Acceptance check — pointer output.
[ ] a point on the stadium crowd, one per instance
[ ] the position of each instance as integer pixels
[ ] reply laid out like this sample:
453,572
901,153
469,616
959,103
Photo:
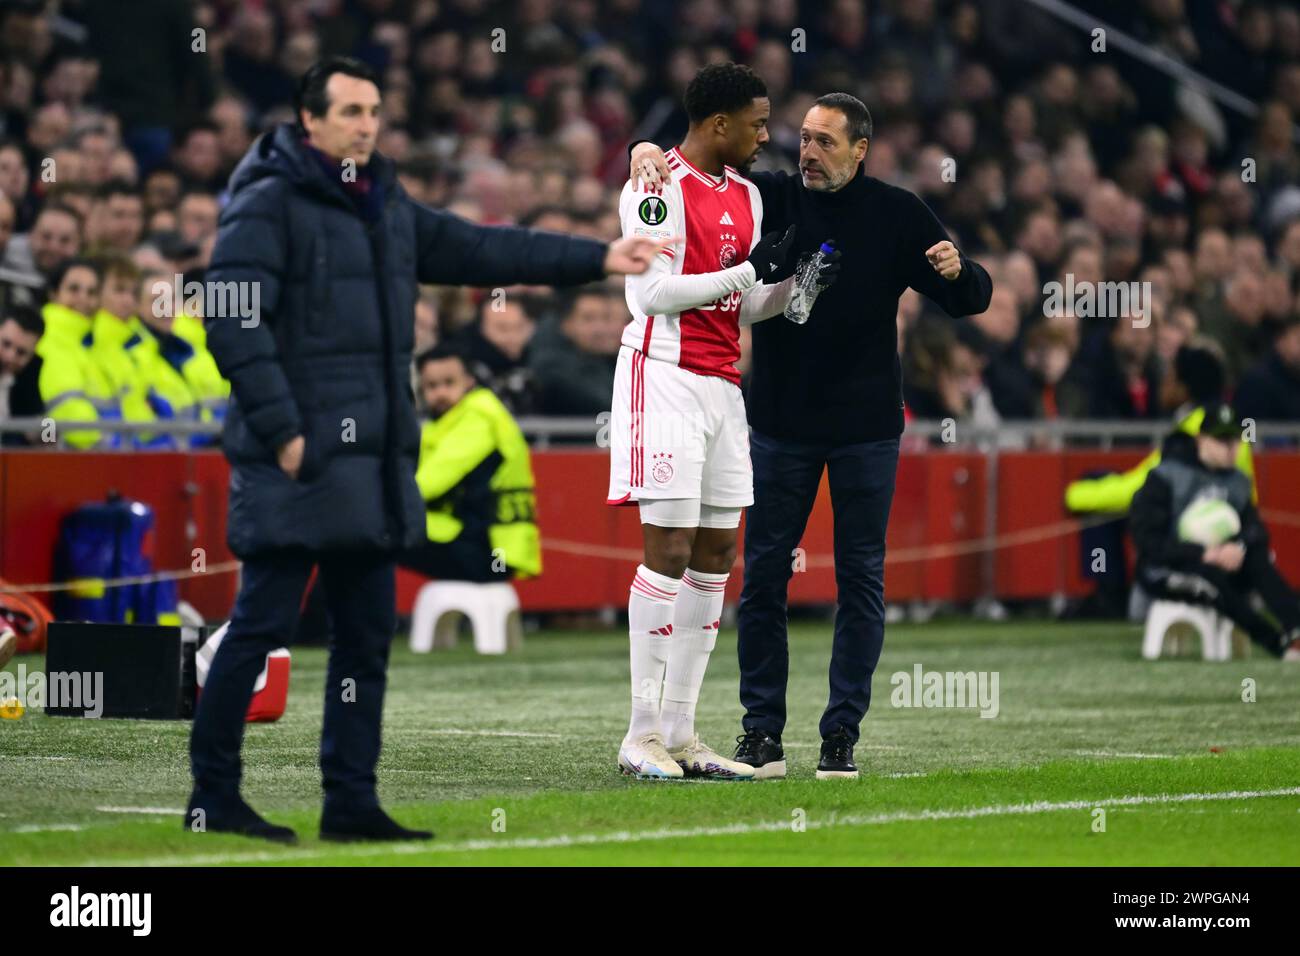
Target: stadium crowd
1044,155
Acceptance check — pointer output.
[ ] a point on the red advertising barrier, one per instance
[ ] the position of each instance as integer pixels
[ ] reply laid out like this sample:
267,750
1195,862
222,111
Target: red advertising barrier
939,535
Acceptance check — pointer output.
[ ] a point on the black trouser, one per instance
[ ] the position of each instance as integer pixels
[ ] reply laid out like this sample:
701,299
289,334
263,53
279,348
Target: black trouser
360,590
786,478
1229,594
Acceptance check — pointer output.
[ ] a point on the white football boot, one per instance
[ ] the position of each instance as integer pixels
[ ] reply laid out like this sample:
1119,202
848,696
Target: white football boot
646,759
699,760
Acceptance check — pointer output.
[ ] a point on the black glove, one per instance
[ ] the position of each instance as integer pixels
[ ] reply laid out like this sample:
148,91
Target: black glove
769,255
830,268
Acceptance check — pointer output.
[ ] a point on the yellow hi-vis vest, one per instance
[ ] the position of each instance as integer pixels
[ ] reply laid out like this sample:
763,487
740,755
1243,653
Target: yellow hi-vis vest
479,428
111,342
211,391
1114,493
72,385
170,395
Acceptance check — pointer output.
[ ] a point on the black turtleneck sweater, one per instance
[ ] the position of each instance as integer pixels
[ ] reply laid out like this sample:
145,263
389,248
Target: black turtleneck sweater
837,378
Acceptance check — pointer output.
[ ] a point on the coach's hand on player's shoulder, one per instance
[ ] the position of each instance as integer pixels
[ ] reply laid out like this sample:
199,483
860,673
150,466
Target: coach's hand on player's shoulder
649,168
633,256
289,457
769,253
945,259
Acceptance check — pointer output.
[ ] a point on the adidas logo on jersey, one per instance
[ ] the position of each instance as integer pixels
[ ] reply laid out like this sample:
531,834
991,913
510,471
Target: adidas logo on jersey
726,219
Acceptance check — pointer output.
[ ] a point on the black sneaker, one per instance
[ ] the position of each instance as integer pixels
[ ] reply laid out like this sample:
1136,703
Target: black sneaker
837,757
762,752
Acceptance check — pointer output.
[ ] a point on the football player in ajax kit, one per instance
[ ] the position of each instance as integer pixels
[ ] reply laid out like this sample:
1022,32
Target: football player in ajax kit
678,434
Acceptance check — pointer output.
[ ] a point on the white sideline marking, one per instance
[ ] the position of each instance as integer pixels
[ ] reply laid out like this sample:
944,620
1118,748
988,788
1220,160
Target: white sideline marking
49,827
456,732
153,811
1112,753
637,836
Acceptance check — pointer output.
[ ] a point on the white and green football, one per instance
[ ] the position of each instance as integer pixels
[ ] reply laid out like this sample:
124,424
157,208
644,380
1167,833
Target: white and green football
1208,521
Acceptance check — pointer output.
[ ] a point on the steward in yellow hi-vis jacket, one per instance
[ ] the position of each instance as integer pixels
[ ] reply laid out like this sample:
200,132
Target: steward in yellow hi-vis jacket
73,387
476,479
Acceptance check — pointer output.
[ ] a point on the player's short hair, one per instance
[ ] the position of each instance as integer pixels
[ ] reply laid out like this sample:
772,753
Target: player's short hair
310,94
439,353
28,319
856,114
722,88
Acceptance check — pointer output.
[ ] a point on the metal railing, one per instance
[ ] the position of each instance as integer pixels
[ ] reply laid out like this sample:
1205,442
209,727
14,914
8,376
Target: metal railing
543,431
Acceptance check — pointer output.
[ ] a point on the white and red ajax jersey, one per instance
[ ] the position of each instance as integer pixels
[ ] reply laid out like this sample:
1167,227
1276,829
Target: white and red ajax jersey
721,220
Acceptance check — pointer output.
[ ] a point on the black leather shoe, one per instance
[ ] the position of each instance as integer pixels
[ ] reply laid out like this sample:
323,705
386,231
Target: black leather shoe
372,823
207,814
837,757
763,752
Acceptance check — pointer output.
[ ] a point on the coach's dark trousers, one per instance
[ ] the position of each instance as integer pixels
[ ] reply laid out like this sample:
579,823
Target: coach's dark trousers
360,589
786,478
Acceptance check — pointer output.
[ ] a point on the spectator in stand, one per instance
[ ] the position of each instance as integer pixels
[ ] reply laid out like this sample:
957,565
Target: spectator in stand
73,387
55,237
116,221
494,349
1270,390
196,216
574,359
20,369
1115,375
112,340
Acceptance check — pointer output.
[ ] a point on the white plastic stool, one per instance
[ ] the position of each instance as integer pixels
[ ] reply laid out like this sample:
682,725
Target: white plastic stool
1214,629
492,609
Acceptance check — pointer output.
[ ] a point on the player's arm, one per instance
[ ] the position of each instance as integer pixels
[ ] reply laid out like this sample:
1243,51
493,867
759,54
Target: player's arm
658,291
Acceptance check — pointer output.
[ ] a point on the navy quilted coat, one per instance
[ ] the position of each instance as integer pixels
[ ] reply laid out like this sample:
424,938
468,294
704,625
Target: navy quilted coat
329,354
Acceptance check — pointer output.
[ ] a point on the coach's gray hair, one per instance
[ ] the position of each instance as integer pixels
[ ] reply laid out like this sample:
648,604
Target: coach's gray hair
854,110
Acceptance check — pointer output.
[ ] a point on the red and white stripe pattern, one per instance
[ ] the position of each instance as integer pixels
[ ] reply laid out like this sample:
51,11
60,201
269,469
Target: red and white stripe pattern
704,587
652,591
636,462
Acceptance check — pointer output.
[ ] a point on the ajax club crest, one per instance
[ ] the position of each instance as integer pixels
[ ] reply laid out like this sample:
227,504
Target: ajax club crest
662,472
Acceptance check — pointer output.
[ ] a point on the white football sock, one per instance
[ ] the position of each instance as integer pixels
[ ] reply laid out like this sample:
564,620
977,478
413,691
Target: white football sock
695,631
650,626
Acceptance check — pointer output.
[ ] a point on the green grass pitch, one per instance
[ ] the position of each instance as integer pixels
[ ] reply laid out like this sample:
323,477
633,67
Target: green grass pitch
512,761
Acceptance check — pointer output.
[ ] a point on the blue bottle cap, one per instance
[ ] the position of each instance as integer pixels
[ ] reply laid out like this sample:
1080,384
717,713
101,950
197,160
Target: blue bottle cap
827,248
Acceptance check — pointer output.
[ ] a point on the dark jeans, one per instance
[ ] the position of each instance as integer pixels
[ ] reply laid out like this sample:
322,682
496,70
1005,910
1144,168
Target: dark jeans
1229,594
360,590
786,477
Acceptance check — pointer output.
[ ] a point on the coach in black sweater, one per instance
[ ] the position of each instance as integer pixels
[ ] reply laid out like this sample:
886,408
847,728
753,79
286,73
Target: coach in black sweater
828,394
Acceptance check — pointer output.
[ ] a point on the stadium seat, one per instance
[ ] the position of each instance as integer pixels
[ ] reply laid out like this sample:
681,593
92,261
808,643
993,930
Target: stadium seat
492,609
1214,629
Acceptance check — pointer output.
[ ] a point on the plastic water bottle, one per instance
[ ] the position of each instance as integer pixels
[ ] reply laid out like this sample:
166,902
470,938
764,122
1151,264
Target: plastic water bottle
805,285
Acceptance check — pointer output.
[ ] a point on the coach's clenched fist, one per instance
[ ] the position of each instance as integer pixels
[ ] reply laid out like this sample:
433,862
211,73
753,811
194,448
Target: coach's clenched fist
945,258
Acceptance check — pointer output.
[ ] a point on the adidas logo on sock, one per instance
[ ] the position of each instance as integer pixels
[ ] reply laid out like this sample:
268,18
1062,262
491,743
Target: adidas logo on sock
665,631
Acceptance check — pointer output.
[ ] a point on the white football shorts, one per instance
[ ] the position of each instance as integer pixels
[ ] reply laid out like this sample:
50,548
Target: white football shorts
677,434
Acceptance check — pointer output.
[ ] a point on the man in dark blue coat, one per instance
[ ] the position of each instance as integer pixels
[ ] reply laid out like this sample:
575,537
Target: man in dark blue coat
310,315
